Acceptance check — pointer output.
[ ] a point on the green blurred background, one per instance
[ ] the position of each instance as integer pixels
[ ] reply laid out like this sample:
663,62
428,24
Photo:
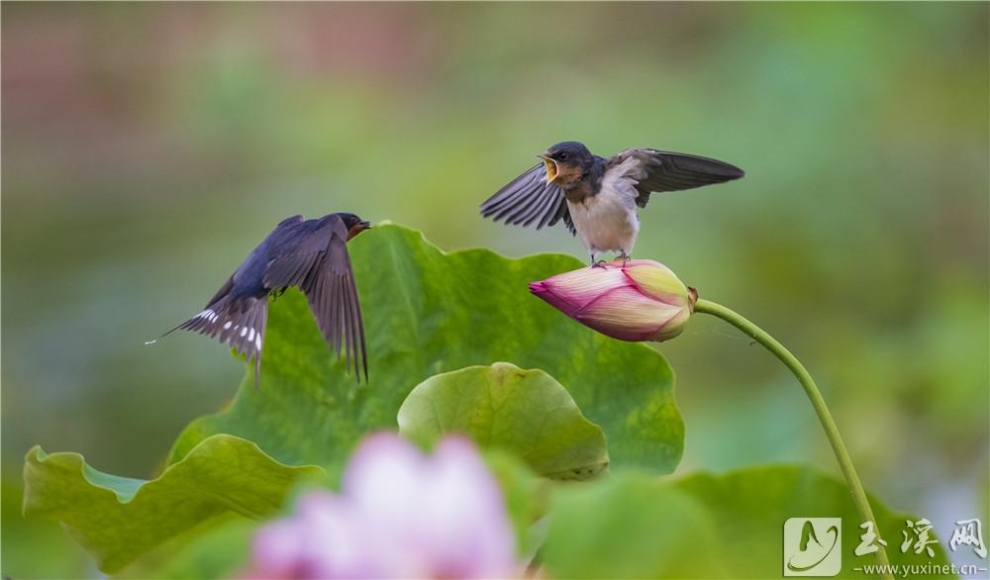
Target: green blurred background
148,148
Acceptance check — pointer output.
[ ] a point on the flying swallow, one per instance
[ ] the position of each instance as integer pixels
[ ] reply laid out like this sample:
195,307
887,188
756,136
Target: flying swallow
309,254
597,197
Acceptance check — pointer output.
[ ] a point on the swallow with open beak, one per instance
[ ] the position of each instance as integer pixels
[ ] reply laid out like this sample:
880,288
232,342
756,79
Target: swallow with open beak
309,254
597,197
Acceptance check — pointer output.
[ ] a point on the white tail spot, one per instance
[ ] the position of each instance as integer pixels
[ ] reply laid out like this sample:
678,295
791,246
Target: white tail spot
257,341
244,332
208,314
226,326
250,334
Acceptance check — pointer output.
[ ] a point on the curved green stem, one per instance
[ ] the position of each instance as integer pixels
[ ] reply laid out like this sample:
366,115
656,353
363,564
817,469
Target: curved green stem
831,431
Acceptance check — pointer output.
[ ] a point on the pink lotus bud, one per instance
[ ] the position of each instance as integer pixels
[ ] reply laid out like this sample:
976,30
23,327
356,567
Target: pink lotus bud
641,300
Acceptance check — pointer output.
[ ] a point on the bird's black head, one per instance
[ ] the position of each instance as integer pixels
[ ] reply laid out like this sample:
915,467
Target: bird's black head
567,162
355,225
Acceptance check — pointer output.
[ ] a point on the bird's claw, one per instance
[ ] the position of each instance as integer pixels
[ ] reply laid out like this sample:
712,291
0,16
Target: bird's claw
598,264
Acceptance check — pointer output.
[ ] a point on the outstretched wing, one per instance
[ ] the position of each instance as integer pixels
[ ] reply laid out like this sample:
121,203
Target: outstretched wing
528,200
658,171
320,265
295,247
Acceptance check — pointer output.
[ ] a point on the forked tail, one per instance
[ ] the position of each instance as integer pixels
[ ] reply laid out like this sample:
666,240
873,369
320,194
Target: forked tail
239,323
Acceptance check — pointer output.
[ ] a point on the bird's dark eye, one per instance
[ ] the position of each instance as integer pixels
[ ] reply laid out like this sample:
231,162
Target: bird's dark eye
562,155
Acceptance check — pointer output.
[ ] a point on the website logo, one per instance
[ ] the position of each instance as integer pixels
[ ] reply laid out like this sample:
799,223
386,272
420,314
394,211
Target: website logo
812,547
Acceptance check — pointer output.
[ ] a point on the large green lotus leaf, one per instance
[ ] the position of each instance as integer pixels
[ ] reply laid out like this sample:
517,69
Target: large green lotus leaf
628,526
525,412
705,526
428,312
118,519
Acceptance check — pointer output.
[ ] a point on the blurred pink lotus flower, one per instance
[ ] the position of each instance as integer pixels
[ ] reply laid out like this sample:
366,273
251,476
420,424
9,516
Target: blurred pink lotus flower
636,301
400,514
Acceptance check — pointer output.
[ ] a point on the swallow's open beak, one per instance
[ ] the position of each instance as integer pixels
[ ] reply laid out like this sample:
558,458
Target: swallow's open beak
551,168
357,229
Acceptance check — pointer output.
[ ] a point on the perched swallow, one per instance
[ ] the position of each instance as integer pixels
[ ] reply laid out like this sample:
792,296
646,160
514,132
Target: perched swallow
596,197
309,254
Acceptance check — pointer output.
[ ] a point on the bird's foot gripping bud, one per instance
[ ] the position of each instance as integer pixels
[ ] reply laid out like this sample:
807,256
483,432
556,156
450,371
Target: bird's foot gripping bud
634,300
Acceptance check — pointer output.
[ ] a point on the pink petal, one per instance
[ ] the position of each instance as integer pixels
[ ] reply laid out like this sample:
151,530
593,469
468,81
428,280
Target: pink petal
334,539
470,534
627,314
573,290
277,549
384,472
384,482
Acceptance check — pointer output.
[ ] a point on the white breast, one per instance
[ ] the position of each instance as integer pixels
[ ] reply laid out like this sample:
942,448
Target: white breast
607,222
